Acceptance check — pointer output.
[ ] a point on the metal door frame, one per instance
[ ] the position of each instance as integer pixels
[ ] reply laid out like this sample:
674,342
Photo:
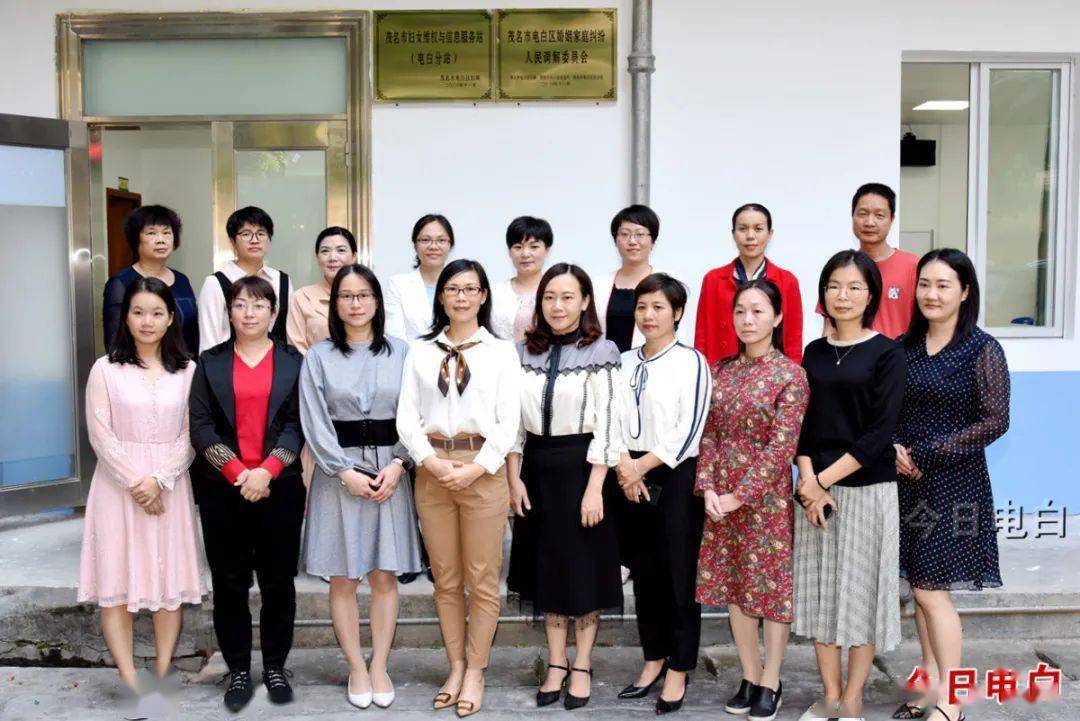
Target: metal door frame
71,137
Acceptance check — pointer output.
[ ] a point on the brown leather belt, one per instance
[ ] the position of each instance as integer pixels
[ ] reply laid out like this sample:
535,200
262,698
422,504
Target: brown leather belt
461,442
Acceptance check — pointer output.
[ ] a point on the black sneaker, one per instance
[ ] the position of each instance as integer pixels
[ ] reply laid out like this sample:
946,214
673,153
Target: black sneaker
739,704
277,684
408,577
766,703
240,690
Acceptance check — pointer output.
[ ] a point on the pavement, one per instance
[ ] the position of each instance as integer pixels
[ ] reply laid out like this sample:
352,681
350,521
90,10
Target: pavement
82,694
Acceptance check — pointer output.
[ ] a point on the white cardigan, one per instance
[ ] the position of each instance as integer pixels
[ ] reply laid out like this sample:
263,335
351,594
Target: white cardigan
602,290
408,307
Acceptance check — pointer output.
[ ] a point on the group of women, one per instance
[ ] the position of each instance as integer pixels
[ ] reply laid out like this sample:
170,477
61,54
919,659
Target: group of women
430,410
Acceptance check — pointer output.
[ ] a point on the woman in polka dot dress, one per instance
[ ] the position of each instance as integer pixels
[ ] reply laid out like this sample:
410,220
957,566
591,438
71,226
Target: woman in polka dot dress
956,403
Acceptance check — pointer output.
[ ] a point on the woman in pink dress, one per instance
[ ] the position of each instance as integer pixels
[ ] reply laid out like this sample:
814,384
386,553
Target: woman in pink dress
139,541
744,473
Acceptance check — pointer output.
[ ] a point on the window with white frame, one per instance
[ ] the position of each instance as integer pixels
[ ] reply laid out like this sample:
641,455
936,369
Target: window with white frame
984,167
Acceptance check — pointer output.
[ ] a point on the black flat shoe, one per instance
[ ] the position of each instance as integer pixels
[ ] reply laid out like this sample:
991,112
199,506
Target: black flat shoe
571,701
908,711
766,703
739,704
546,698
275,678
633,691
240,690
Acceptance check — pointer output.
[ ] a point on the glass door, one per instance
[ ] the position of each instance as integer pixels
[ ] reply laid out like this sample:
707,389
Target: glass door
296,171
47,323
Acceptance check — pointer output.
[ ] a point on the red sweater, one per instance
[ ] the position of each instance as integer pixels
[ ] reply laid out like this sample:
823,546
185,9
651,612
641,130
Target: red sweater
715,330
251,388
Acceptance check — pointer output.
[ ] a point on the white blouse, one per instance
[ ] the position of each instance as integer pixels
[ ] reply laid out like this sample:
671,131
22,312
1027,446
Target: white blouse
663,401
214,326
507,307
568,390
408,306
490,405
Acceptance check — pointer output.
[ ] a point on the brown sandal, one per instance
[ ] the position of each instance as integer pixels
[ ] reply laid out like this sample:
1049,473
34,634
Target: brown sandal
466,708
443,699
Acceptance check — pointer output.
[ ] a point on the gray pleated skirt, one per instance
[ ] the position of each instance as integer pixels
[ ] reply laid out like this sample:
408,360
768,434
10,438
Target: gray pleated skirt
847,577
349,536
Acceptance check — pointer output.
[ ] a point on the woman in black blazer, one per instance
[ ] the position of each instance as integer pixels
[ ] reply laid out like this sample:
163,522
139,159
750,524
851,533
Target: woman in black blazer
245,427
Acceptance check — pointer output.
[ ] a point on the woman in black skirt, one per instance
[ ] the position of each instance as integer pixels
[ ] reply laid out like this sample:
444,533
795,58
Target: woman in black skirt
564,558
663,395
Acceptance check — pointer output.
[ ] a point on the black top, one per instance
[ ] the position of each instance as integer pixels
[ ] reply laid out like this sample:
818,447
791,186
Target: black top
182,292
856,392
620,318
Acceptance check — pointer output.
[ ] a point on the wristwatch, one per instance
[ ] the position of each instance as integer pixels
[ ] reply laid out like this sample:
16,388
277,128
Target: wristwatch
407,465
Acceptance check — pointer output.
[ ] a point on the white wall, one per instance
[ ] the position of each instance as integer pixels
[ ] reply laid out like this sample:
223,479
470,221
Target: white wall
794,105
784,102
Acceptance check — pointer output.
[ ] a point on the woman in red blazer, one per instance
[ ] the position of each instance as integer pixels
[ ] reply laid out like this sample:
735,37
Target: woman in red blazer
751,227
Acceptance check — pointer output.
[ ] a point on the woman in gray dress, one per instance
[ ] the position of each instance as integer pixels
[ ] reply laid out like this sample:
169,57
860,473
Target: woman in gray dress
360,518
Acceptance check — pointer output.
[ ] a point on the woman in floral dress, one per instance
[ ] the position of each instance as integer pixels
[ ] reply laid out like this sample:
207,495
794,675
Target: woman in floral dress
744,474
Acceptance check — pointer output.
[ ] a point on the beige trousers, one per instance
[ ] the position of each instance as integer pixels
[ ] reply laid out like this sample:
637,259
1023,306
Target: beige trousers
463,532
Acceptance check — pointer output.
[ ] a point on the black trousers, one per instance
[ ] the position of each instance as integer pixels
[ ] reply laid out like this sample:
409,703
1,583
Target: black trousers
263,539
663,543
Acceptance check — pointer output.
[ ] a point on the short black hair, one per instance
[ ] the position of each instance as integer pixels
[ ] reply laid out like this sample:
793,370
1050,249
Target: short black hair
875,189
338,335
439,317
336,230
256,287
524,227
174,354
871,276
638,215
673,290
752,206
145,216
252,215
424,220
968,316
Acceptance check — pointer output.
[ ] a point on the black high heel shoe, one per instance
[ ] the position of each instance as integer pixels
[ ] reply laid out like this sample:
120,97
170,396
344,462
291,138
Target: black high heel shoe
633,691
546,698
571,701
663,707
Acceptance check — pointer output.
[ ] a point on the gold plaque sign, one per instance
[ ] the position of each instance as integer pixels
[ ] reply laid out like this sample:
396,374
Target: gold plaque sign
439,55
557,54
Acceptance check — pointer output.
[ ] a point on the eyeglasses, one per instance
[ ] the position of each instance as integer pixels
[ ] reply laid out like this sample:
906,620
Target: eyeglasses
469,291
246,235
639,235
364,296
853,289
259,307
432,241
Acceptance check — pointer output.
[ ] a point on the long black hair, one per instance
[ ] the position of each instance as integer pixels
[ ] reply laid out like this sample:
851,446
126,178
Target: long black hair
174,354
336,230
871,276
438,313
968,316
772,292
378,321
538,338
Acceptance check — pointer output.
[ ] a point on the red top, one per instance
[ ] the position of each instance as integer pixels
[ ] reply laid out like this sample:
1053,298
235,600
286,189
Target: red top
715,331
251,388
899,276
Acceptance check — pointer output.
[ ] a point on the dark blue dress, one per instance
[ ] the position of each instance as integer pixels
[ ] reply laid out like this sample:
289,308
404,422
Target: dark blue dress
956,403
183,294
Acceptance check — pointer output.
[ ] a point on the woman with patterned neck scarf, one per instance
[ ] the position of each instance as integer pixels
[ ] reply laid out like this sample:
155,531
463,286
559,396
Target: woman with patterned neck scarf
458,416
557,469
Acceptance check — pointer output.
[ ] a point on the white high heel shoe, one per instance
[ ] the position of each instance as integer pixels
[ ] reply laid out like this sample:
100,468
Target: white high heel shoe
359,700
383,700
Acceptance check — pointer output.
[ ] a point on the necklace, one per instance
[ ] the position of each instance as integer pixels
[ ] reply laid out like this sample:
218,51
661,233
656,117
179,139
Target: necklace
842,357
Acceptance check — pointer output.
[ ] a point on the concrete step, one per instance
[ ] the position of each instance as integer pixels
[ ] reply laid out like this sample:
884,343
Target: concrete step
40,622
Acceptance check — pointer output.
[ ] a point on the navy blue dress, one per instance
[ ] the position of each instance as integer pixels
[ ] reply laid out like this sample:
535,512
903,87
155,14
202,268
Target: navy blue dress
183,294
956,403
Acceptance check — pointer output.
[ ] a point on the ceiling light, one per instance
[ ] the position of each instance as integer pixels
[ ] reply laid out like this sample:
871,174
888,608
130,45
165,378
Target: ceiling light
943,105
